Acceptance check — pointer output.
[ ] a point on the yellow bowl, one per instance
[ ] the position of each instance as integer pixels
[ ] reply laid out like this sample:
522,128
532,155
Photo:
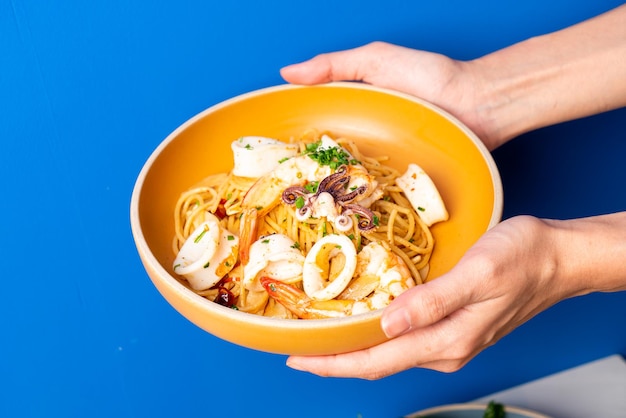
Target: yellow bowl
382,122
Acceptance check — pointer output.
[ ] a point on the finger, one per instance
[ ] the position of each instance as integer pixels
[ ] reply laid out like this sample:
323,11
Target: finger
443,347
314,71
425,305
349,65
323,68
371,364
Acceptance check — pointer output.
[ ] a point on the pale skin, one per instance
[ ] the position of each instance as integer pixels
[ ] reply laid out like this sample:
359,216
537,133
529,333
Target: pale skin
524,265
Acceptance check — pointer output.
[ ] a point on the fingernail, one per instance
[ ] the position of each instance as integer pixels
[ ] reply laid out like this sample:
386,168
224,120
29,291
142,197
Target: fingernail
395,322
294,365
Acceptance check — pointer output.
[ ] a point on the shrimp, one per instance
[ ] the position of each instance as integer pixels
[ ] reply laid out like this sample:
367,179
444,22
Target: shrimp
302,306
380,277
274,255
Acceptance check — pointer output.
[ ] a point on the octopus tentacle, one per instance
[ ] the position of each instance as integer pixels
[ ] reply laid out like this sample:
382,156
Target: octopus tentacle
364,215
291,194
335,185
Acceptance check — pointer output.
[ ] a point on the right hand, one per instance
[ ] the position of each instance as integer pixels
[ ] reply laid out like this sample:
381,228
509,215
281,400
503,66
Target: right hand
505,279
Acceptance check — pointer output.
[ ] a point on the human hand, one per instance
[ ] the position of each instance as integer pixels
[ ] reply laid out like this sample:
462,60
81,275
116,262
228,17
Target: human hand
523,265
503,94
452,85
505,279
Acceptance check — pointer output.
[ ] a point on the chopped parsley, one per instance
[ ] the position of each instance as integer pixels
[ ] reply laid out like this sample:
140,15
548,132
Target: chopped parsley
421,209
334,157
312,147
282,160
207,264
231,238
200,235
296,245
376,220
248,146
311,187
300,202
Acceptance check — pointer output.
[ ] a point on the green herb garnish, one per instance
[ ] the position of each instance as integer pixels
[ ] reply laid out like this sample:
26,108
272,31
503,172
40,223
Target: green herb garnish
312,147
200,235
334,157
311,187
300,202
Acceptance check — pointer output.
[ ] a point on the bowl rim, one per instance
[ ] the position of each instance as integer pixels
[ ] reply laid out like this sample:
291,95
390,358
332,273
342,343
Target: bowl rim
191,297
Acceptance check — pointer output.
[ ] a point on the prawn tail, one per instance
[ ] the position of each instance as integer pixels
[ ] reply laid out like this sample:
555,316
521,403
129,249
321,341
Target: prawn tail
301,305
248,226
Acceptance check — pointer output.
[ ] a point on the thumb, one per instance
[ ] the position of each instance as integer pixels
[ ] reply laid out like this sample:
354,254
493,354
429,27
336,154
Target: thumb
348,65
424,305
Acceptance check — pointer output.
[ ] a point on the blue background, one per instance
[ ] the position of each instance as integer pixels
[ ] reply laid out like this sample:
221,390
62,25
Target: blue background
89,89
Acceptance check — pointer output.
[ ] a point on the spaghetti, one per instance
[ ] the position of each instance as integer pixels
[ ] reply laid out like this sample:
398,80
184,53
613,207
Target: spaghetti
403,237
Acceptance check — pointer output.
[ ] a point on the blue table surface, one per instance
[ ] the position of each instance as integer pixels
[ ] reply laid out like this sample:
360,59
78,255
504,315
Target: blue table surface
89,89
